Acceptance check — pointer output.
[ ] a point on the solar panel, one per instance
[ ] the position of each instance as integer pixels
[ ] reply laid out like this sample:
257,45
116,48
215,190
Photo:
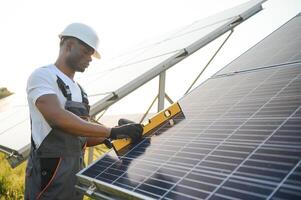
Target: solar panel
238,137
281,47
14,129
144,63
140,66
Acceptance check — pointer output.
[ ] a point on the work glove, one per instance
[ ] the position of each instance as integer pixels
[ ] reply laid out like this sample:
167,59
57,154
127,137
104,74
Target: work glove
123,121
132,130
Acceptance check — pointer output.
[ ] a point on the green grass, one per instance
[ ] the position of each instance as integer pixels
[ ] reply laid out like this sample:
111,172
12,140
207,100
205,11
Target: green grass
11,180
4,92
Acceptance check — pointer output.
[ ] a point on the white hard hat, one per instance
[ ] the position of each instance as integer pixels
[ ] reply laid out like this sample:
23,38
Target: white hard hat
84,33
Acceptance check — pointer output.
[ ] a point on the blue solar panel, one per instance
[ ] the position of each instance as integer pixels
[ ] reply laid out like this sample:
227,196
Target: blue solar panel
281,47
238,137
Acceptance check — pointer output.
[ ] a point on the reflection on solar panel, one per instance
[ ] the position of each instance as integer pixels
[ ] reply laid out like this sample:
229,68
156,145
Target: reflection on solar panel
140,66
238,137
14,129
147,62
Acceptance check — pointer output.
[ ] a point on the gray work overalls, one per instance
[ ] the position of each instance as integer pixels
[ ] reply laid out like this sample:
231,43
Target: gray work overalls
51,169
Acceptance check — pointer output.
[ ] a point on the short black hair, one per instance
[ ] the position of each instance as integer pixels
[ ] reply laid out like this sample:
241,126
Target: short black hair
65,38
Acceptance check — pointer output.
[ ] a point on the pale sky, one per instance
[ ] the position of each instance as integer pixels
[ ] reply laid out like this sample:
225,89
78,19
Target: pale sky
29,32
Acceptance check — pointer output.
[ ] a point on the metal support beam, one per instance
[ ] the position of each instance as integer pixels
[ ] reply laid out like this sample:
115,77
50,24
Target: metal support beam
153,102
146,113
181,54
161,94
209,61
169,99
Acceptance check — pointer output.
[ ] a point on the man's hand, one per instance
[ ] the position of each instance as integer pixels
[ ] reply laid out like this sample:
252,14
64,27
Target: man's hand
133,131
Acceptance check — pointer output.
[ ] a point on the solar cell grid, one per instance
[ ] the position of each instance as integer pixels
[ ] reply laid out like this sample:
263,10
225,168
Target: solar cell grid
282,46
240,137
245,149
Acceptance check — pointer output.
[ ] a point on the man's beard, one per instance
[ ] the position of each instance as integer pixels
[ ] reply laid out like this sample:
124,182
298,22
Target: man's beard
73,63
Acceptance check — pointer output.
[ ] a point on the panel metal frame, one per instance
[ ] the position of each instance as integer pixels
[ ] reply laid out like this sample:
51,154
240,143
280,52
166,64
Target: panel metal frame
182,54
14,157
96,188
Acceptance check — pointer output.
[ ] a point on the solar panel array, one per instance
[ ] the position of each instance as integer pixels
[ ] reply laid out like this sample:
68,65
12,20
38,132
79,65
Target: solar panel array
239,137
140,66
162,51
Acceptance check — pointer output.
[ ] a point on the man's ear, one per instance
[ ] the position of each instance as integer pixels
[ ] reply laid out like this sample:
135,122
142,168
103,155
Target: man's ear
69,45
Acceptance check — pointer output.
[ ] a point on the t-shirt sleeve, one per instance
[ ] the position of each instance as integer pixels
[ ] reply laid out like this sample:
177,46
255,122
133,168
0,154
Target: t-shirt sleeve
40,82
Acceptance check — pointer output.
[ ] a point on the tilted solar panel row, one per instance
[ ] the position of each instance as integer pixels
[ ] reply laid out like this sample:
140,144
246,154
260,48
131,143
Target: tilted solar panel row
238,136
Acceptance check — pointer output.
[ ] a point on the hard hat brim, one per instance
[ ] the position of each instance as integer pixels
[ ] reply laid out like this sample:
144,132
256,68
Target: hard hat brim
96,54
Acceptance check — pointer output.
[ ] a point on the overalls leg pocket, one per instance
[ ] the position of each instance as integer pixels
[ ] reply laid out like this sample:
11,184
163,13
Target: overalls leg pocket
47,173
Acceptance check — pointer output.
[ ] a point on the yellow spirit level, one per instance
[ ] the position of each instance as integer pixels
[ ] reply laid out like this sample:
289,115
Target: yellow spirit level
152,123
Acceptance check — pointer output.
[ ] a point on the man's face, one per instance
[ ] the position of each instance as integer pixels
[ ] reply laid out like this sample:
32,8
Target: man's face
80,56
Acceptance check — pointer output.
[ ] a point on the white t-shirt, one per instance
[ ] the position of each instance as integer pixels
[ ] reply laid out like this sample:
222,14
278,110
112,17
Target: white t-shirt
41,82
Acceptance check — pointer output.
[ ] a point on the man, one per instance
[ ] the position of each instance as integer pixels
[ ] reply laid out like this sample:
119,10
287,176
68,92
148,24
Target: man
59,111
